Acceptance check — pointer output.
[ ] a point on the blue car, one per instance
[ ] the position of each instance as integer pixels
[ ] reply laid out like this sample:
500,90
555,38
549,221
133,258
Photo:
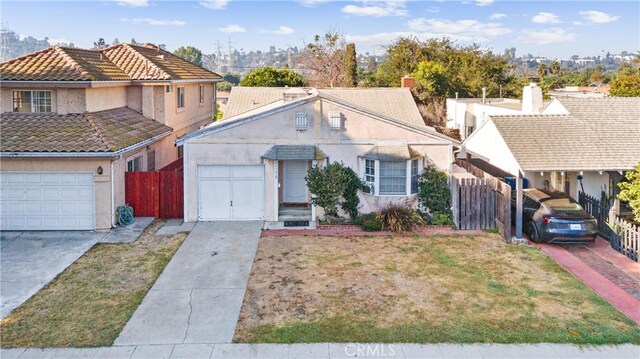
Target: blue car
554,217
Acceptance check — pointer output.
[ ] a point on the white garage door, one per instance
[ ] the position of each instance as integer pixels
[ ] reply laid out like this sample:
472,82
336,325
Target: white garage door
230,192
47,201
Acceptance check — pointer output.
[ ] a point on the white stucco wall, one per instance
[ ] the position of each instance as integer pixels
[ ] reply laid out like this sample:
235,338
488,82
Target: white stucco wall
105,98
488,144
245,145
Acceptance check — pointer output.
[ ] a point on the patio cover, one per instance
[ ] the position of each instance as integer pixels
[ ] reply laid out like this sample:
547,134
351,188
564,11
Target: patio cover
294,152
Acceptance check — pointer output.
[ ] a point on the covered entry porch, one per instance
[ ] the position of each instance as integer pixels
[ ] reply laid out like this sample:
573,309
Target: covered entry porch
292,203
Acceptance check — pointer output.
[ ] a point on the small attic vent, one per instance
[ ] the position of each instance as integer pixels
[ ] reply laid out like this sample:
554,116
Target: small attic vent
161,57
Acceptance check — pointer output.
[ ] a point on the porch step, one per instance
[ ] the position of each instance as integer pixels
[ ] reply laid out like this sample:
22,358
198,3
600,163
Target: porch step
294,214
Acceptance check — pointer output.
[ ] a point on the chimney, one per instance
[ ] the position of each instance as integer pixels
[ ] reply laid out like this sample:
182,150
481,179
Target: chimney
407,82
532,99
484,95
294,93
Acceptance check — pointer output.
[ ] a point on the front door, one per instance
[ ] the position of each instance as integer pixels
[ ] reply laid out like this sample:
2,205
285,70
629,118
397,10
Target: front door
295,187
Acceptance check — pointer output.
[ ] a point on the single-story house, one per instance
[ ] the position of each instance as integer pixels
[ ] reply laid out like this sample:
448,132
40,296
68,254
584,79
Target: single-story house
252,164
575,144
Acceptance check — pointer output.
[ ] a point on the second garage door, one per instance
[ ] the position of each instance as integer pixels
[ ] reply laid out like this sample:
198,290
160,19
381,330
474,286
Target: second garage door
230,192
46,201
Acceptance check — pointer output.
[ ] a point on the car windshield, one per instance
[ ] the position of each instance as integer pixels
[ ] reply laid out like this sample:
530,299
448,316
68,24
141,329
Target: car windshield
563,204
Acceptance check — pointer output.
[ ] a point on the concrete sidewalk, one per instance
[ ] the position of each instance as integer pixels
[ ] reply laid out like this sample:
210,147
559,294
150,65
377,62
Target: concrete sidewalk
335,350
198,296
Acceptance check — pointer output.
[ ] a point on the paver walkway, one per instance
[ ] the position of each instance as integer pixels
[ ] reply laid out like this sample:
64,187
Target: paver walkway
610,274
198,296
335,350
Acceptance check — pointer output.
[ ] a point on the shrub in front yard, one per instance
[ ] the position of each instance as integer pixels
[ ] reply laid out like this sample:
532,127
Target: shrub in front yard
434,196
327,185
350,200
399,218
371,223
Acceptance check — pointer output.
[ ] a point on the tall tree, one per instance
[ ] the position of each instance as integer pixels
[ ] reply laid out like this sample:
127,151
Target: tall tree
133,41
630,191
323,60
100,44
350,66
554,67
626,83
115,41
190,54
232,78
272,77
542,71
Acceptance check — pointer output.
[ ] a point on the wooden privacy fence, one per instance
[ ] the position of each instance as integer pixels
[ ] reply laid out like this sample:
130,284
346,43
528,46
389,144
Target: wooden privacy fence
156,194
599,210
481,203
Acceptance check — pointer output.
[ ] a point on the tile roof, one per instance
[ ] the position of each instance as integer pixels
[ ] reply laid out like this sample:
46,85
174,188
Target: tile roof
121,62
392,153
294,152
103,131
597,134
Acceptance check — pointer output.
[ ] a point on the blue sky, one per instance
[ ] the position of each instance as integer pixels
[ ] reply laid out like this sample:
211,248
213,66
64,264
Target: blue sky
555,29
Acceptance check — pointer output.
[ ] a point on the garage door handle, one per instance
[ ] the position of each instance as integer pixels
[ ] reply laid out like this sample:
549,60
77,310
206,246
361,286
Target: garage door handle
231,203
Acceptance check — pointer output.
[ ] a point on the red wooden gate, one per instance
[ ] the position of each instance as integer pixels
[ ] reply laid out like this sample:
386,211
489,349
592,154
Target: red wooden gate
156,194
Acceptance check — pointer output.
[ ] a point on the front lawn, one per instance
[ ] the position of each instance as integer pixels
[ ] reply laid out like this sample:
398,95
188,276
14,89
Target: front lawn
431,289
90,302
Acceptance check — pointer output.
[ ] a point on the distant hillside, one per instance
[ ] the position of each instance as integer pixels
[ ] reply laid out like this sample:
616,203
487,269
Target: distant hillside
11,46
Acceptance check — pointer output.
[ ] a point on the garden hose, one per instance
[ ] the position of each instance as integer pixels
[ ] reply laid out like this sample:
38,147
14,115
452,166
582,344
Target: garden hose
124,214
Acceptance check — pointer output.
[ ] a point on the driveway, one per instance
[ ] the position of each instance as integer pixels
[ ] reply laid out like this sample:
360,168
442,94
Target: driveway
198,296
29,260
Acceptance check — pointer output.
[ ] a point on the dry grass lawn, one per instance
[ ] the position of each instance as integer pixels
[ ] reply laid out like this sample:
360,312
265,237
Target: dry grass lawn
419,289
90,302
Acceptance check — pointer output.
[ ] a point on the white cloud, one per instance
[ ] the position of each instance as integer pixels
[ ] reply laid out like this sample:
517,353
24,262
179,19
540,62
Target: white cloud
484,2
377,9
461,29
311,3
232,28
577,23
153,22
433,10
546,18
598,17
283,30
133,3
547,36
497,16
214,4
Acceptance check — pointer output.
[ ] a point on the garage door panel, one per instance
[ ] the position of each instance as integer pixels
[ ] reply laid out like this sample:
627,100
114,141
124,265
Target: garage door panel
248,199
230,192
47,201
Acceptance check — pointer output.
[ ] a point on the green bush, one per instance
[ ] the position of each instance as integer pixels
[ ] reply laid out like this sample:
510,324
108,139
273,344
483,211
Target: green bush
327,185
371,223
399,218
434,195
353,184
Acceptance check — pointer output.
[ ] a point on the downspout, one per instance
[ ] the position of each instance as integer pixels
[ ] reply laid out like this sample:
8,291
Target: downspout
185,177
113,201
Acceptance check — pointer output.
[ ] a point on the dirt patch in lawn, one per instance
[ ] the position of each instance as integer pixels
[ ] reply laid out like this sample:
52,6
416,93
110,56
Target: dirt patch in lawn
419,289
90,302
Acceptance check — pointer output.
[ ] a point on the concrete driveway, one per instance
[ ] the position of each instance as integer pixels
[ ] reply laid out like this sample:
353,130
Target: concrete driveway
198,296
29,260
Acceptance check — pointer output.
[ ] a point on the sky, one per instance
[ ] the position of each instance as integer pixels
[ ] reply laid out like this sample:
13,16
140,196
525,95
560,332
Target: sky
553,29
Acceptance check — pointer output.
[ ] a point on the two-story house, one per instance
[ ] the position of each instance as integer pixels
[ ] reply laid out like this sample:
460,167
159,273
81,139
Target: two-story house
74,120
252,164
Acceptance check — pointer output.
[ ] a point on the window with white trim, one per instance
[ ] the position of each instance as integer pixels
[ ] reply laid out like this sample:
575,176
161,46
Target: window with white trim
201,89
134,164
370,174
32,101
335,121
414,176
168,89
302,123
393,177
180,97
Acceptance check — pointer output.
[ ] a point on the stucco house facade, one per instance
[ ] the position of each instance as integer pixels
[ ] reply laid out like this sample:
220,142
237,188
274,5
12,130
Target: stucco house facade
74,120
252,163
575,144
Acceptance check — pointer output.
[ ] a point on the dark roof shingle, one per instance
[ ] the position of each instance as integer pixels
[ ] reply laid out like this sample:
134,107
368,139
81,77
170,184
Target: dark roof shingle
103,131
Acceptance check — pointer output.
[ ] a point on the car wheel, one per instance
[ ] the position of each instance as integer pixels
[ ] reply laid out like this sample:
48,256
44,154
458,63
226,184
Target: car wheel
533,233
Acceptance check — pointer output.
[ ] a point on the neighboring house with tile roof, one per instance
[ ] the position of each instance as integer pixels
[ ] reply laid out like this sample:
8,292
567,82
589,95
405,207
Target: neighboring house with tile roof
596,139
74,120
252,163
